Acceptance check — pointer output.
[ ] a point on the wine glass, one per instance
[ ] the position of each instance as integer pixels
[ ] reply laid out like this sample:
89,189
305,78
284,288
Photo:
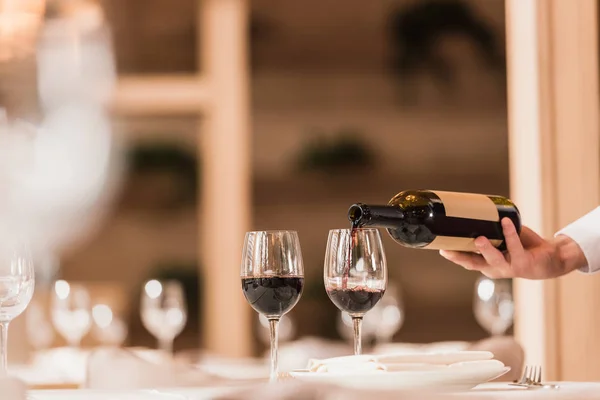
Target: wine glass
355,273
272,276
71,312
164,311
16,290
493,304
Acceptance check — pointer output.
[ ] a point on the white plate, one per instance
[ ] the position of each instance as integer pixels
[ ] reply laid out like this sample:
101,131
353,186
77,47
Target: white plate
451,378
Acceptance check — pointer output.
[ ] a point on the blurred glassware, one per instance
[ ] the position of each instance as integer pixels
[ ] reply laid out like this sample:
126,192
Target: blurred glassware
71,311
381,323
493,304
17,284
108,328
388,316
287,329
164,311
58,167
40,332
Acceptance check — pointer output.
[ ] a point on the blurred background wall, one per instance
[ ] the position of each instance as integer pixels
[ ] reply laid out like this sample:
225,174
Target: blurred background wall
334,121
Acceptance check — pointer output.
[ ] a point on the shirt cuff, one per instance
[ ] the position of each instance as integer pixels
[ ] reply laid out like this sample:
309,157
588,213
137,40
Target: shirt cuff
586,233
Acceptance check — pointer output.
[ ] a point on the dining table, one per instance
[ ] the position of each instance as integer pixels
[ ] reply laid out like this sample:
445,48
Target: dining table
566,390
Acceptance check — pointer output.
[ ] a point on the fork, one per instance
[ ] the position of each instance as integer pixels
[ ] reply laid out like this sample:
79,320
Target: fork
532,378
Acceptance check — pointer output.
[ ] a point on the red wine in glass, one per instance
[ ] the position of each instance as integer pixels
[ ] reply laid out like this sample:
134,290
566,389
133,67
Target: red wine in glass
272,296
356,300
272,280
355,273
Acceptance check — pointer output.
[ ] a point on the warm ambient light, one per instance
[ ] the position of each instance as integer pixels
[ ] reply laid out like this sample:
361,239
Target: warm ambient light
102,315
62,289
485,289
19,23
153,289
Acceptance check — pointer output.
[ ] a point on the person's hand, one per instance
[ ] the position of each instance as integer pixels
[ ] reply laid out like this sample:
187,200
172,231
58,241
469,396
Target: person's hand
528,255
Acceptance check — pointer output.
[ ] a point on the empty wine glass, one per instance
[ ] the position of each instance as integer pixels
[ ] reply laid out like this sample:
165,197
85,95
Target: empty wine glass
493,304
16,290
71,311
272,278
164,311
108,328
355,273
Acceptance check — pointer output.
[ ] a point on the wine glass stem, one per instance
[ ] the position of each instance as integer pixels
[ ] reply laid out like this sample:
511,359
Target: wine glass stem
166,345
3,348
75,343
274,330
357,323
496,332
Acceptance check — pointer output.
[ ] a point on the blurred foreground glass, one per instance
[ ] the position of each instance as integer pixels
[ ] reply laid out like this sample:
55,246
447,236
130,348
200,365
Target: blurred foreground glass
164,311
57,168
272,279
493,304
16,290
355,274
71,311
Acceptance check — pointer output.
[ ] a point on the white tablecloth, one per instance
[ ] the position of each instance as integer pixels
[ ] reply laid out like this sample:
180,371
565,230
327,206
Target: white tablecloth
568,390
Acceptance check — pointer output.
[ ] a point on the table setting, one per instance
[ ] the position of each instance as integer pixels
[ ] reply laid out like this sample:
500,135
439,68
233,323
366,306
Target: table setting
272,267
49,202
272,281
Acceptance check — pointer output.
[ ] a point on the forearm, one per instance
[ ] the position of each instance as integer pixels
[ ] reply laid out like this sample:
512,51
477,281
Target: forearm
578,244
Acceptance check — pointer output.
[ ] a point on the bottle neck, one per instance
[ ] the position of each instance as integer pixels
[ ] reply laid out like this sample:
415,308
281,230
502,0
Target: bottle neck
363,215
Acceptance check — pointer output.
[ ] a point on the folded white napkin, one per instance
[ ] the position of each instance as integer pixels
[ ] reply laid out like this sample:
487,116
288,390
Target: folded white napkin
346,364
405,362
507,350
296,354
435,347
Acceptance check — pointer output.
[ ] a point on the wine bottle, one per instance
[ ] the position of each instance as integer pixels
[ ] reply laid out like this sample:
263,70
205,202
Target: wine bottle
439,220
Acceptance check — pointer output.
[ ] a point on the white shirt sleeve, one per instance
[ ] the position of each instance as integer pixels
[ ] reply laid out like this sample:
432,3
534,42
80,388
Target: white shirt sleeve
586,233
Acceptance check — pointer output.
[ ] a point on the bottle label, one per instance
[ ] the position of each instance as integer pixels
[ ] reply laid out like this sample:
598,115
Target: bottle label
456,244
468,205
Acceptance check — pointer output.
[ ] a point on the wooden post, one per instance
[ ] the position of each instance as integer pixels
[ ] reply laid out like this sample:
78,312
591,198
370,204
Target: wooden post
575,37
225,148
555,170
